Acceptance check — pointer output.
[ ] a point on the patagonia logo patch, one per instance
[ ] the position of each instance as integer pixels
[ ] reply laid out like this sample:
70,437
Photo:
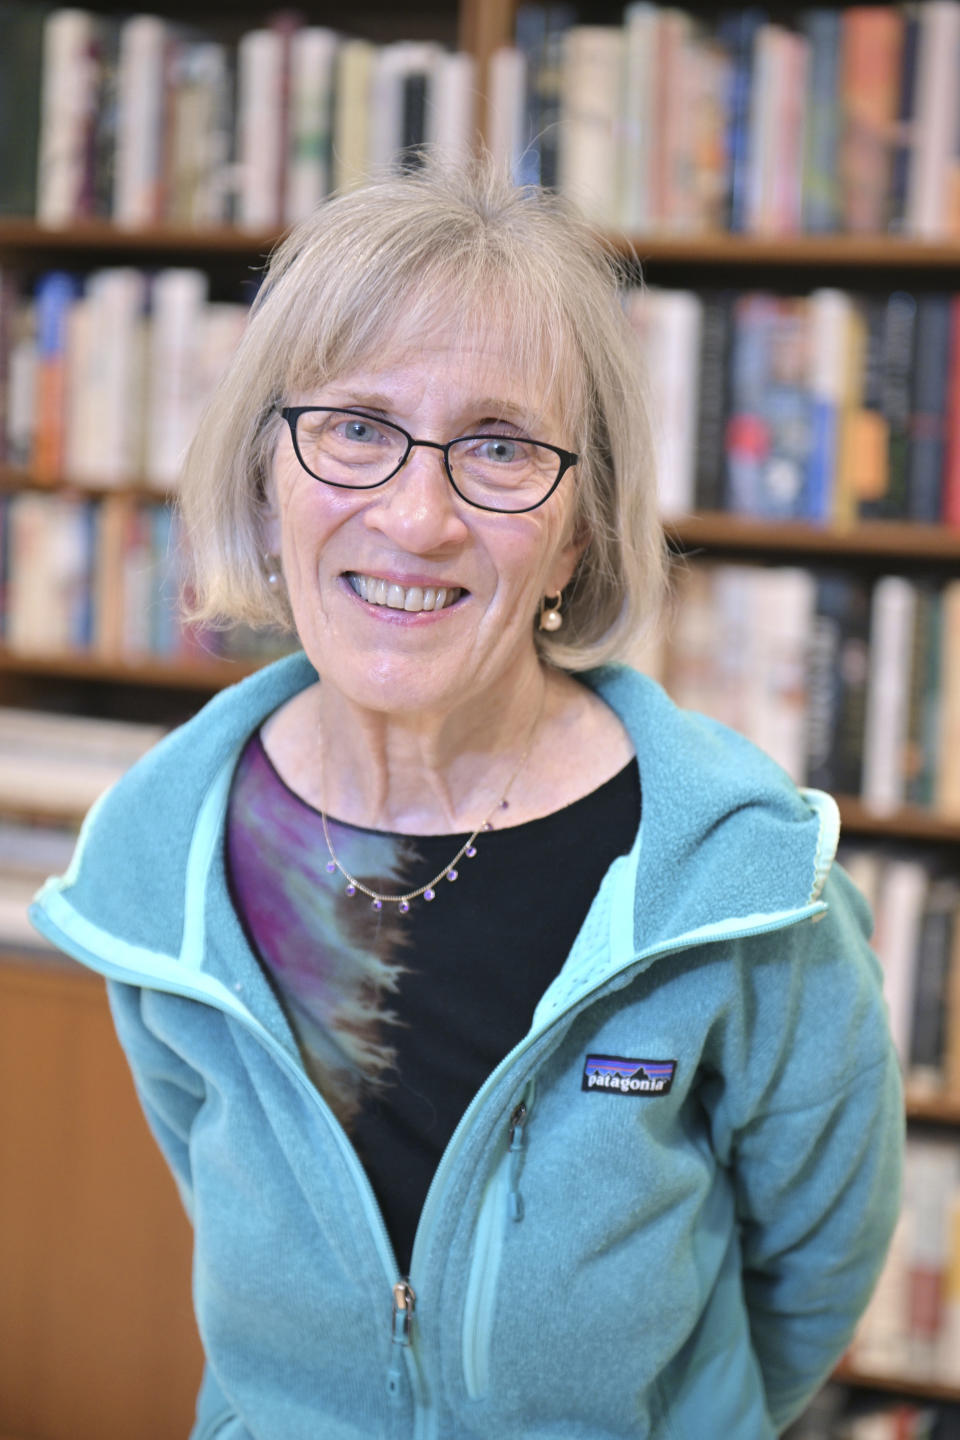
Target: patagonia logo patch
621,1076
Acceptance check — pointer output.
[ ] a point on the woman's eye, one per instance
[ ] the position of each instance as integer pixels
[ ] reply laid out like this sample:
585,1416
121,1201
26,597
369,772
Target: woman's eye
501,450
360,430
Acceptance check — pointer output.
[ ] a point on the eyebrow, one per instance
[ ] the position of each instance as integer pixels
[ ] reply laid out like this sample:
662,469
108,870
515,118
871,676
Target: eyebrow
487,406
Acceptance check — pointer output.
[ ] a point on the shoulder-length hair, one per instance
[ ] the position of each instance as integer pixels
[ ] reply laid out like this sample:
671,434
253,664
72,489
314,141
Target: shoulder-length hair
399,254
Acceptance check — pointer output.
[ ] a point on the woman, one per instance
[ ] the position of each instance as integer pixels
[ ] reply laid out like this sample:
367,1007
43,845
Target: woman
385,919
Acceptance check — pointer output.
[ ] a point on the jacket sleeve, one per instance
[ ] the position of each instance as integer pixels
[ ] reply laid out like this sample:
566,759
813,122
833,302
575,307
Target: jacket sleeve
169,1089
812,1128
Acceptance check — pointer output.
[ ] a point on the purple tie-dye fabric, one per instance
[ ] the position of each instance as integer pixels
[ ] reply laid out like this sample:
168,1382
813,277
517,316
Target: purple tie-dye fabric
333,959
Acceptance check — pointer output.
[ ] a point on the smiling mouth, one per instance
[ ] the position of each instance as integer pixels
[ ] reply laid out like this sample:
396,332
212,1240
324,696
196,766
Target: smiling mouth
403,597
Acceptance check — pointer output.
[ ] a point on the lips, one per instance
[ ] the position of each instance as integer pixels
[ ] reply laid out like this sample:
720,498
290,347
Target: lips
412,598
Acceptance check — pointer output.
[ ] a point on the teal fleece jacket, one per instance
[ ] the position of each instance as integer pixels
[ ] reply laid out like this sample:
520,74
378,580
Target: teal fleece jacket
680,1257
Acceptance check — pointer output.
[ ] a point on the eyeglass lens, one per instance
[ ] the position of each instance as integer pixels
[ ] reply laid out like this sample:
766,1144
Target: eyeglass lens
499,472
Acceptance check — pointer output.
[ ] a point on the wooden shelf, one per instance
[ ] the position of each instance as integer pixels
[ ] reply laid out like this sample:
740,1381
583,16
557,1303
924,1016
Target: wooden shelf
790,251
100,237
205,673
14,477
880,538
910,823
938,1109
97,238
918,1385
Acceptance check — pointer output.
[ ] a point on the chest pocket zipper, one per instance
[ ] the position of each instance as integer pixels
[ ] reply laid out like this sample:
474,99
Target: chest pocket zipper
502,1205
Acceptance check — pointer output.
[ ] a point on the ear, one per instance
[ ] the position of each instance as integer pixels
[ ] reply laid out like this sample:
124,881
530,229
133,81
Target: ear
270,528
568,558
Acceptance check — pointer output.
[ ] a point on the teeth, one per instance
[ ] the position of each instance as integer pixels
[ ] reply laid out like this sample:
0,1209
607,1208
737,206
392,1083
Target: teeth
397,597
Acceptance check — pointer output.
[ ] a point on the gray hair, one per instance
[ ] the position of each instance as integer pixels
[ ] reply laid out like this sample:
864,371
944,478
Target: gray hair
403,251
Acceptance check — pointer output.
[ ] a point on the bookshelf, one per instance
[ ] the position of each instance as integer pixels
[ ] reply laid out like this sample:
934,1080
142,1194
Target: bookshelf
870,261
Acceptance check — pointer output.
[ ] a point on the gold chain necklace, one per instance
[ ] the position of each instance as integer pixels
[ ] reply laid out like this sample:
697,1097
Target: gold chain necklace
449,872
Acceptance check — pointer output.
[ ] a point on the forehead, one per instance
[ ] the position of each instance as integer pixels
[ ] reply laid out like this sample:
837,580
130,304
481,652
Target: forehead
464,365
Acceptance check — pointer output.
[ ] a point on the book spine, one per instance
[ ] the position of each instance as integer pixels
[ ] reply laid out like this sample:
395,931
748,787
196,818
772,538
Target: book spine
872,45
928,410
713,400
141,119
590,152
260,128
935,132
951,473
892,626
821,181
65,115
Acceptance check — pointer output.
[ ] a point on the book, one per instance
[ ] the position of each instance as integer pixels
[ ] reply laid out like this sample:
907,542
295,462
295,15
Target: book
737,32
936,124
57,765
769,431
21,78
888,692
178,298
783,617
48,574
837,669
506,108
589,170
261,128
713,362
872,46
925,1068
639,117
66,115
138,198
829,319
353,81
923,714
821,209
947,785
898,353
668,324
55,294
451,119
676,99
928,409
951,463
903,136
899,914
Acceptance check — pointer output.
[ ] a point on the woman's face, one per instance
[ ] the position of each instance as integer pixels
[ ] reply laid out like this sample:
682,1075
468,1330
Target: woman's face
415,532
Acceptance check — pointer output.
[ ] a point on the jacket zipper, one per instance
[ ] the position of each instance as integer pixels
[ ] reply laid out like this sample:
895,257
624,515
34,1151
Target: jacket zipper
501,1204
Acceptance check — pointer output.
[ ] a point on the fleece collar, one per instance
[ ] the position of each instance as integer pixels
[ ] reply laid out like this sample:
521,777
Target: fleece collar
725,836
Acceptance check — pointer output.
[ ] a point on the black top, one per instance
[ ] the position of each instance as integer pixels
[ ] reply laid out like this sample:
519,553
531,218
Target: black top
475,961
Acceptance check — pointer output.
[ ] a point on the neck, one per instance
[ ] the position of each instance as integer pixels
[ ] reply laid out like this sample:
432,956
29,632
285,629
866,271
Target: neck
426,773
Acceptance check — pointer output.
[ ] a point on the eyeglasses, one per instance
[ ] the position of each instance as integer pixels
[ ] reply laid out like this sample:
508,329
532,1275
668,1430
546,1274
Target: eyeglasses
356,452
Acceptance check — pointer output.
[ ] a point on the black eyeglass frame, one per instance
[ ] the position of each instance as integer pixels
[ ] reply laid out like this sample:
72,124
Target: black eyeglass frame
292,413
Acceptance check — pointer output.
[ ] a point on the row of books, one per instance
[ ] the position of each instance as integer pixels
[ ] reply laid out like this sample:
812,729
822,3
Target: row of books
829,407
840,1414
916,907
912,1326
845,120
851,683
101,577
103,378
144,121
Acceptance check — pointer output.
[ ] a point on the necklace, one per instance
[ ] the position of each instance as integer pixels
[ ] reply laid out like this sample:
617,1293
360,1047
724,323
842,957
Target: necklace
449,872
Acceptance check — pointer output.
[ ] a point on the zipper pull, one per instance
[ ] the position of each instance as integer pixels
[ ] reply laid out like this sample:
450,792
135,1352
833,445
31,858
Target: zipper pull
404,1305
514,1199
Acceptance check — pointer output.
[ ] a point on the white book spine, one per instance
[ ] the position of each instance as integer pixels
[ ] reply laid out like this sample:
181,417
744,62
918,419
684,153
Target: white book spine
68,80
590,151
80,417
451,116
784,617
119,298
671,339
178,299
828,315
140,121
506,107
888,694
935,128
899,916
761,144
351,121
639,117
312,58
260,128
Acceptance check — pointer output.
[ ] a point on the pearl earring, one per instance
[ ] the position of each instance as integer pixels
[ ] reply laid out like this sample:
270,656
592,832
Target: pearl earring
550,617
271,569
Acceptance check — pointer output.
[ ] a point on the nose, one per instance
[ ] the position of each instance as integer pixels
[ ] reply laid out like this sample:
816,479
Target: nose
418,508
